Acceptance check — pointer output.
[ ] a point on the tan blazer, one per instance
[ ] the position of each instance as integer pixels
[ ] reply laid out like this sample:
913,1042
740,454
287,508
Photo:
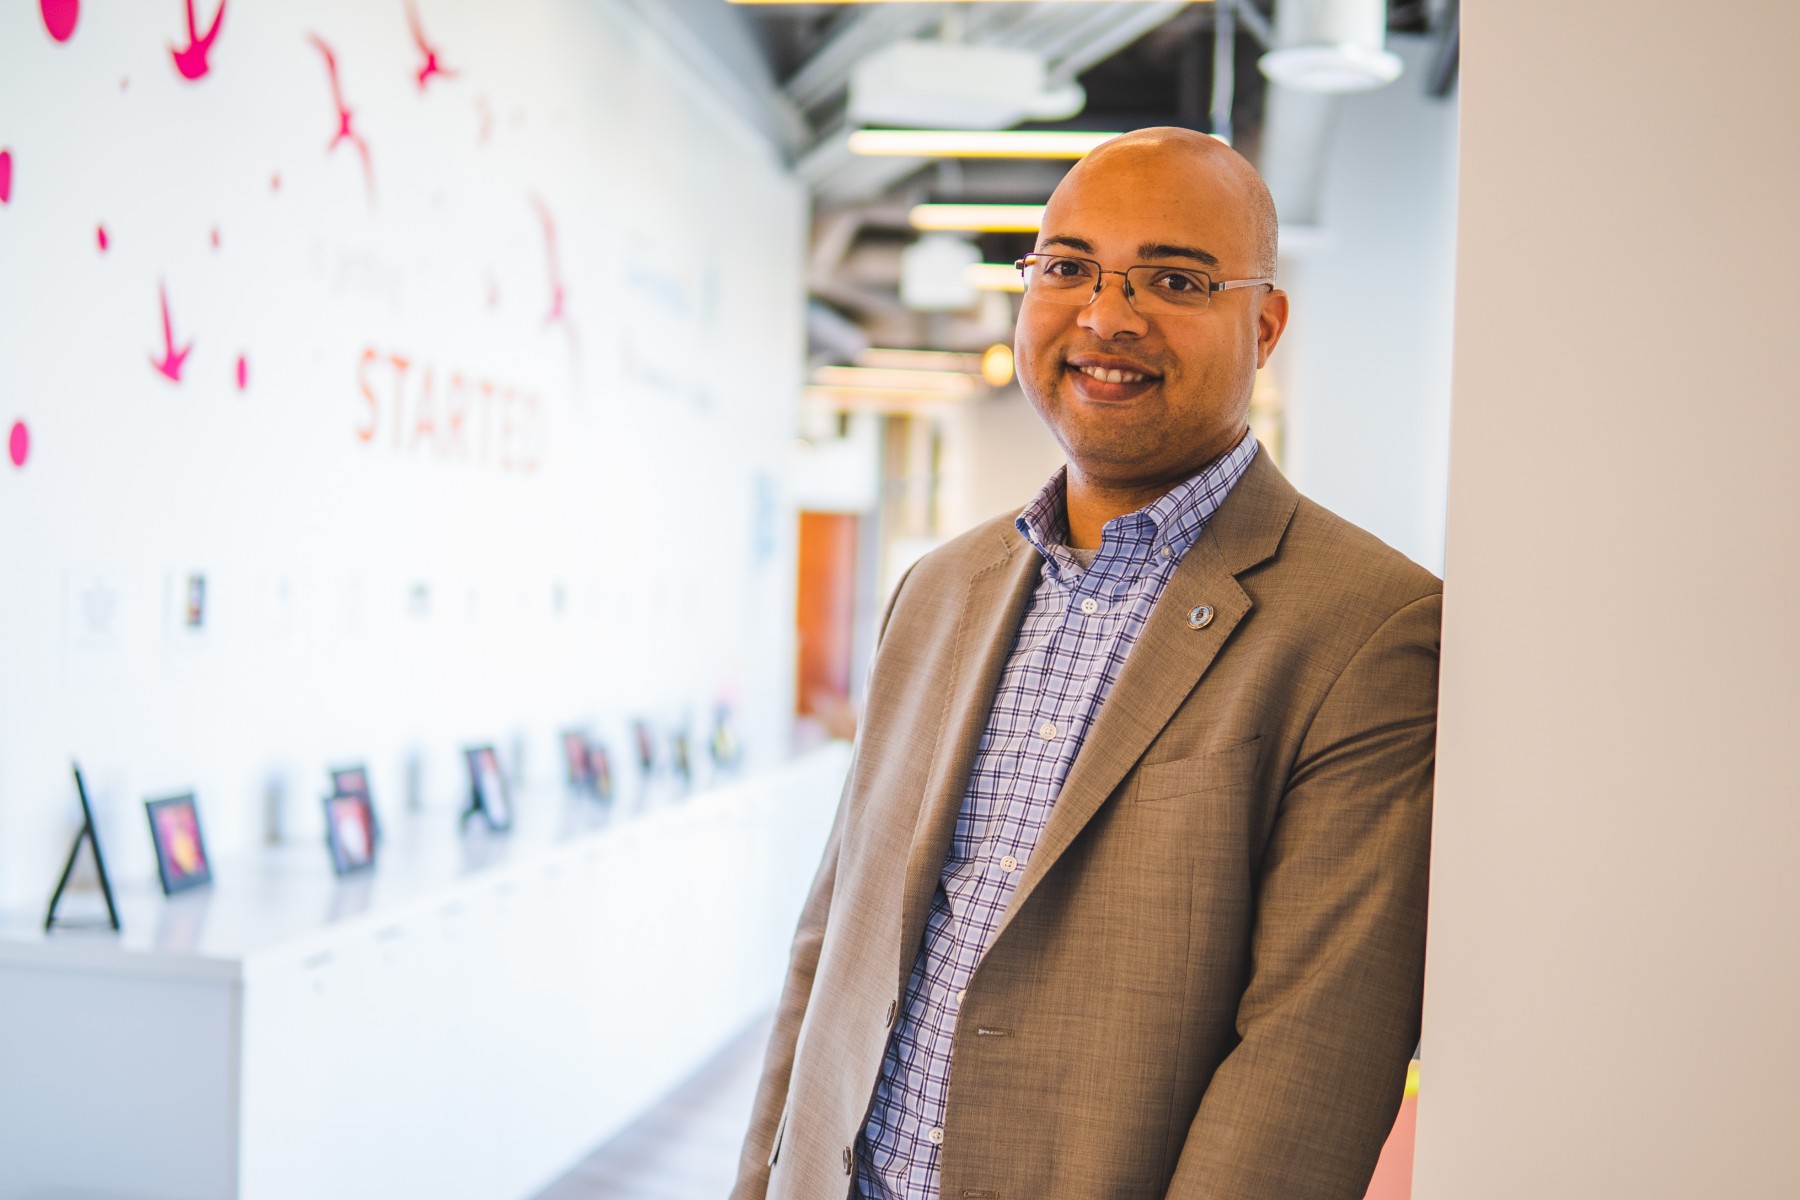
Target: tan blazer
1207,983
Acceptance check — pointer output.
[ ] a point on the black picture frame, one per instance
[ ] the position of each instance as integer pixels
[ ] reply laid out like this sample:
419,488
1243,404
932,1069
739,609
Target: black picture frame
488,795
353,780
600,762
646,747
90,833
350,832
578,762
181,859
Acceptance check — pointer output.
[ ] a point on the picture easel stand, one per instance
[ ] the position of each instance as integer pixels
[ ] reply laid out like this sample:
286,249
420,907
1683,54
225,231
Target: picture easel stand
88,834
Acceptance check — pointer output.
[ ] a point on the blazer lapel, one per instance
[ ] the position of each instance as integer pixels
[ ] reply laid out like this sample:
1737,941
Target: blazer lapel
1170,657
983,640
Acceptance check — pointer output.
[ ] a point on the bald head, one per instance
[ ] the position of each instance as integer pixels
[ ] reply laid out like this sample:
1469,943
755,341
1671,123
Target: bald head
1140,378
1192,169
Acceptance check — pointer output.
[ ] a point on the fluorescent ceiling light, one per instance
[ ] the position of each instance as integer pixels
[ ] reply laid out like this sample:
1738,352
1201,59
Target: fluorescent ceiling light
941,383
919,360
994,277
981,218
975,143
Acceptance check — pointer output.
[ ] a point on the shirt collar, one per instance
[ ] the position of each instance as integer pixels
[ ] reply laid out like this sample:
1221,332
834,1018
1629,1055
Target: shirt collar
1172,521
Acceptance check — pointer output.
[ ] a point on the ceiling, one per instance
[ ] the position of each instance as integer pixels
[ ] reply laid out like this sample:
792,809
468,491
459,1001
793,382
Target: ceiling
787,67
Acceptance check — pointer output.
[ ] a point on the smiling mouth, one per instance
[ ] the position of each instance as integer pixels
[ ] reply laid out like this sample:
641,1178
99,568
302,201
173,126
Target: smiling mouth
1106,375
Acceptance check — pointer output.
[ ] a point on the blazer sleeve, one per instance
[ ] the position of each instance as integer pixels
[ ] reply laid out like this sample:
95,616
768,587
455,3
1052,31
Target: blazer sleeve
756,1158
1330,1015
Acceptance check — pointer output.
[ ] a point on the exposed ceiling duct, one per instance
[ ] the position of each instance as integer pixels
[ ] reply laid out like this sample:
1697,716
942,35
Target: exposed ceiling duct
1331,46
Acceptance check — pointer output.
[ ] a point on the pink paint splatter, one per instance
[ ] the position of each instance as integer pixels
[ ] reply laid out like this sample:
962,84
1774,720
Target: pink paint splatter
60,17
556,285
172,359
214,237
345,115
5,176
432,66
100,237
243,372
191,62
19,444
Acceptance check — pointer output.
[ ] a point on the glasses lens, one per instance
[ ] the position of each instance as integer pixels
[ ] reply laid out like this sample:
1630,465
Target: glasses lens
1168,289
1064,280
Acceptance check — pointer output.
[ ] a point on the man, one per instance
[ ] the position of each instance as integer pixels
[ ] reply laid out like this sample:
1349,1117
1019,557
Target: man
1126,893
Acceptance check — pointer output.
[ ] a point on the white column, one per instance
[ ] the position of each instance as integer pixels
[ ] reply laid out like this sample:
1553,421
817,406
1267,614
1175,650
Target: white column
1613,991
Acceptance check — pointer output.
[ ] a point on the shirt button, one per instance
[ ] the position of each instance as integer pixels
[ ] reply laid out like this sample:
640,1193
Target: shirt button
1089,606
935,1137
961,994
1047,731
1009,864
1167,553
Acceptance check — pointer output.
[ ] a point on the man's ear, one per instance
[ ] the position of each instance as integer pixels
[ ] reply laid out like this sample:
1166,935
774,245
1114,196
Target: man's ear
1271,319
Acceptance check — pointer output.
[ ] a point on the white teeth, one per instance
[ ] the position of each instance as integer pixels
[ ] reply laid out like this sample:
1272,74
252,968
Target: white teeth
1106,376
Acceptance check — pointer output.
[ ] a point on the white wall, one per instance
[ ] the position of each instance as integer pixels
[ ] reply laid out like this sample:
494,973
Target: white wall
1614,967
1365,365
605,538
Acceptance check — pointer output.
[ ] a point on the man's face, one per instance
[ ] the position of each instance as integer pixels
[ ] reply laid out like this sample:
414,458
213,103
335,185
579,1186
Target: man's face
1188,375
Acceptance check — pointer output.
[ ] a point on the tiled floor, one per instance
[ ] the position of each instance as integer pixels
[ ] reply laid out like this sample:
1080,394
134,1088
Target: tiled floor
687,1148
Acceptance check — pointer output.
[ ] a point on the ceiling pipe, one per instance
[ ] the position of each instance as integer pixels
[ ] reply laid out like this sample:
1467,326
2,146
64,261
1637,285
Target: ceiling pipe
1224,67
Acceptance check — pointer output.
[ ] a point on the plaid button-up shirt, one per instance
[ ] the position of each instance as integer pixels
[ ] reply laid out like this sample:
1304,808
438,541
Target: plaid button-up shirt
1077,630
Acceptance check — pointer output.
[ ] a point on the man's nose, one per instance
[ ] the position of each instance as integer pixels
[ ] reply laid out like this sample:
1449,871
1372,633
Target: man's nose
1109,314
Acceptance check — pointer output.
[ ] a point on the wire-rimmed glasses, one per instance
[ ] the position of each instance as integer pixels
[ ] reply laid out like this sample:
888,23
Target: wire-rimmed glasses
1150,289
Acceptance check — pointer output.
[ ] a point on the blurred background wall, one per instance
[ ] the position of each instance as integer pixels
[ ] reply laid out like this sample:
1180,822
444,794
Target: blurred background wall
466,425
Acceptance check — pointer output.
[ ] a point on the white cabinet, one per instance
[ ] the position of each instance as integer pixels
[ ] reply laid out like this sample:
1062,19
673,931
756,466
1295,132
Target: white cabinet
457,1025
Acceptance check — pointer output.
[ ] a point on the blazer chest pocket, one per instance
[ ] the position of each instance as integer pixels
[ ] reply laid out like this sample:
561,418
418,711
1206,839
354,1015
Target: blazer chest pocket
1215,771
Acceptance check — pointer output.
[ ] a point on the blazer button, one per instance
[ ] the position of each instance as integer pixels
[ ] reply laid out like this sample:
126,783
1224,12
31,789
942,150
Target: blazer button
849,1161
893,1007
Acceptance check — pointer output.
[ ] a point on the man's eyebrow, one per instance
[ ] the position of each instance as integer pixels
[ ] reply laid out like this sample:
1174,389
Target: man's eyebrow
1154,250
1073,243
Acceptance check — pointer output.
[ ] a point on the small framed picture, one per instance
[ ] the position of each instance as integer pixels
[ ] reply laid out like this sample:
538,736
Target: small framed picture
354,781
600,766
488,796
646,746
350,830
180,853
578,759
679,760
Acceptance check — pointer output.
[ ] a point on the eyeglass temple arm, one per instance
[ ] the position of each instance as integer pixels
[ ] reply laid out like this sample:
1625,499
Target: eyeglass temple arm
1238,283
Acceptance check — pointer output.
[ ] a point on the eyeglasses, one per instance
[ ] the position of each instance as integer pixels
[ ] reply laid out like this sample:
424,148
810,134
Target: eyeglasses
1063,279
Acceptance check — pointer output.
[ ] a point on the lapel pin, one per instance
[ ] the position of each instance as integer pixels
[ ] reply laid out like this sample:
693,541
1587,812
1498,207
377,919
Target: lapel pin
1201,616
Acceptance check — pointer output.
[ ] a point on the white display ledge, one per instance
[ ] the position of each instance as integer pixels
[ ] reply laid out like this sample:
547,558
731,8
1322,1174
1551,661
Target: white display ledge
465,1021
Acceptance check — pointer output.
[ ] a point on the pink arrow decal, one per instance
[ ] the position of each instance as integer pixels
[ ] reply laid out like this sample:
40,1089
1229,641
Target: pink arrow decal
172,358
345,131
18,445
100,236
60,17
556,286
5,176
191,62
432,66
